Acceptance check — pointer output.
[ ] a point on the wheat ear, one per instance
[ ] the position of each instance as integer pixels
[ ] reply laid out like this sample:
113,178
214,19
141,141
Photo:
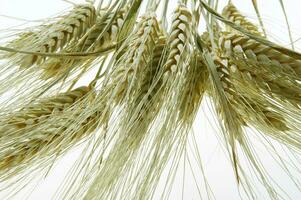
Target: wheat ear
111,26
231,13
71,27
170,132
101,35
279,73
257,76
129,67
250,110
26,133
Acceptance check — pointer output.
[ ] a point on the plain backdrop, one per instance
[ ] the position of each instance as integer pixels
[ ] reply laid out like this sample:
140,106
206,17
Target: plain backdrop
216,165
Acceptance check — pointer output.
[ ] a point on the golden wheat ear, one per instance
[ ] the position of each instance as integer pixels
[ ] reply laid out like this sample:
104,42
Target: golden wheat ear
276,72
47,38
125,88
234,108
258,77
129,69
102,36
57,35
44,129
231,13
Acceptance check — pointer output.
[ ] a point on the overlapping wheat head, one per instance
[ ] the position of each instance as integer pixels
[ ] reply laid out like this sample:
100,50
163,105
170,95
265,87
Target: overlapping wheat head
126,82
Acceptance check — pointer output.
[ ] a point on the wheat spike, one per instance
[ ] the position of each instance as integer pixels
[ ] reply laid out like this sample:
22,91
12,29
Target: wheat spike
171,132
30,135
174,65
256,74
275,71
135,119
70,27
131,65
226,99
250,111
179,39
231,13
109,37
101,35
146,92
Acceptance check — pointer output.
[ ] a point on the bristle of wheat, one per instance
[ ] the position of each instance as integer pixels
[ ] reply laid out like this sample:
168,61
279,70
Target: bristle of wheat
196,87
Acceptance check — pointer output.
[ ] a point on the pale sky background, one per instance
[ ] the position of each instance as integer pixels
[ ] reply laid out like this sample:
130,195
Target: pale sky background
216,166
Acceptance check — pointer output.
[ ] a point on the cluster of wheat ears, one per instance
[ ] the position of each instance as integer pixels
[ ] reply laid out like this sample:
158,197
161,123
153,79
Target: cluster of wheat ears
148,75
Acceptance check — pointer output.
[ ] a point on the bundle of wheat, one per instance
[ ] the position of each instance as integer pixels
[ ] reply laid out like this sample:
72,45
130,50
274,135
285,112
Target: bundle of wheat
136,114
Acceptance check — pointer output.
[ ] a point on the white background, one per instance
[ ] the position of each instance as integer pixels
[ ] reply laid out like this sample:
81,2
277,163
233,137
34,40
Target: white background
216,165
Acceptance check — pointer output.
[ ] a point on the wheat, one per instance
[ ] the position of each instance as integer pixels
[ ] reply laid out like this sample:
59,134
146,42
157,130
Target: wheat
101,35
70,27
170,133
231,13
29,134
131,65
275,71
179,39
148,93
128,74
94,39
257,73
250,111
